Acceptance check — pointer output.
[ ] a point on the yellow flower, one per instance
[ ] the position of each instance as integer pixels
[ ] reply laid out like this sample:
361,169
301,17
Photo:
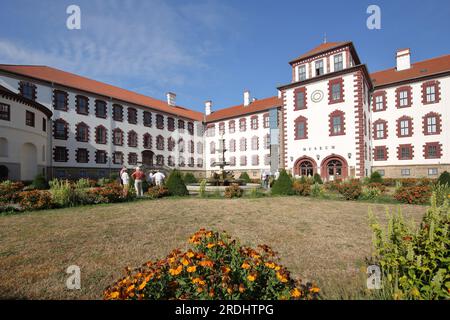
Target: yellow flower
175,272
114,295
245,265
251,277
281,277
296,293
130,288
230,290
142,285
184,262
189,254
192,269
210,245
270,265
314,290
198,281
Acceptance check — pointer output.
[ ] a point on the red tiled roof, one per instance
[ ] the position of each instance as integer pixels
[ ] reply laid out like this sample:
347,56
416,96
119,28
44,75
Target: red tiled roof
85,84
240,110
321,48
418,70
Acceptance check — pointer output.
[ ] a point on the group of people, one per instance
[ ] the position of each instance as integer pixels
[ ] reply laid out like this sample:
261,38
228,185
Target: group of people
265,178
154,178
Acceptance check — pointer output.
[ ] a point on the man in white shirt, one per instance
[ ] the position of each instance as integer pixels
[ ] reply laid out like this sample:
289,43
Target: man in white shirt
125,180
159,177
151,179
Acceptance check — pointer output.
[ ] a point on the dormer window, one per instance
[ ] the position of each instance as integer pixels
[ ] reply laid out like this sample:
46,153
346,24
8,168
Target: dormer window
302,73
338,62
319,68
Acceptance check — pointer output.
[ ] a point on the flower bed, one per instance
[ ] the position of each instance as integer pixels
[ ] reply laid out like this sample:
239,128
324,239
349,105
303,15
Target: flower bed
413,195
216,268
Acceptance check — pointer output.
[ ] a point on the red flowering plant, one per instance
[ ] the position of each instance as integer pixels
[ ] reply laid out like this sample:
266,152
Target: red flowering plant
413,195
9,191
217,267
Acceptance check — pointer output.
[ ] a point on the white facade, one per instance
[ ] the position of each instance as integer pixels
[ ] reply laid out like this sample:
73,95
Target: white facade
24,149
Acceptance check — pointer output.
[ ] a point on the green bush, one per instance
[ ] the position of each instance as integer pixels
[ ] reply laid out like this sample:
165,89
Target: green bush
40,183
189,178
351,190
83,183
376,177
317,190
444,178
414,261
317,178
62,192
175,184
370,193
245,177
283,185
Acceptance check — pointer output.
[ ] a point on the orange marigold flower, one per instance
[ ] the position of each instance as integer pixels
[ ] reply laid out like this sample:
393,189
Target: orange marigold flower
251,277
210,245
225,269
295,293
199,289
206,263
175,272
114,295
241,288
270,265
190,254
184,262
191,269
198,281
245,265
281,277
130,288
314,290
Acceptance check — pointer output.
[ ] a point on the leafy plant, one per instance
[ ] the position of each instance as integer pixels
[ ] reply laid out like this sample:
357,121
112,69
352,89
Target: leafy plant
351,190
217,267
317,178
376,177
157,192
245,177
444,178
317,190
35,200
370,193
413,195
415,261
283,185
233,191
9,191
175,184
442,192
202,188
40,182
62,192
189,178
301,188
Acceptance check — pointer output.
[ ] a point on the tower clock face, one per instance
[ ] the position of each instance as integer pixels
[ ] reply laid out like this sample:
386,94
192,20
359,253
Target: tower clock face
317,96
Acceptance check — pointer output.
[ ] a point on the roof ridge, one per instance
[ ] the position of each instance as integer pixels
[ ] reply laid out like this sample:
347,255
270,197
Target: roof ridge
421,61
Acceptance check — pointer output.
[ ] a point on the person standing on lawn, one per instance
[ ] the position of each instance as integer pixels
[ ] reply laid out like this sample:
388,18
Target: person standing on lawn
125,178
151,179
159,178
138,176
124,169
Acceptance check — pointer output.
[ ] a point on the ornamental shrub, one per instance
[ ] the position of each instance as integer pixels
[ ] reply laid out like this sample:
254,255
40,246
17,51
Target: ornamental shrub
444,178
189,178
157,192
370,193
110,193
233,191
317,190
378,186
9,191
301,188
283,185
332,185
350,190
415,261
63,194
375,177
175,184
35,200
317,178
441,192
216,267
40,183
245,177
413,195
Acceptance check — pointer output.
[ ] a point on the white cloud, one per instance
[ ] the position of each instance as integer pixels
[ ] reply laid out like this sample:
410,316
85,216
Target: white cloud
146,41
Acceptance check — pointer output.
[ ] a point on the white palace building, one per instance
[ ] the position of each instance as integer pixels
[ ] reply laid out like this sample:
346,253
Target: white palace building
334,118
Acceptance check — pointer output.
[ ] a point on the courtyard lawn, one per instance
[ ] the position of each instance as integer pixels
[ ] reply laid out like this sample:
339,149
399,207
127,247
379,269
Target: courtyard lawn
321,240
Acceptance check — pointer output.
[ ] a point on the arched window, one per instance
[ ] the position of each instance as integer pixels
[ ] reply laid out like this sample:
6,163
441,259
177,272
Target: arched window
117,137
147,141
132,139
82,132
100,134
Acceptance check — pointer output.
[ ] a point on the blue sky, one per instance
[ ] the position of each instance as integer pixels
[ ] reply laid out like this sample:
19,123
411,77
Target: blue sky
209,49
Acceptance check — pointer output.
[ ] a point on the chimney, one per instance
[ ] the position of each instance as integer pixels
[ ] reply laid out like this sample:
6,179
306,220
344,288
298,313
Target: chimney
246,98
171,99
208,107
279,93
403,59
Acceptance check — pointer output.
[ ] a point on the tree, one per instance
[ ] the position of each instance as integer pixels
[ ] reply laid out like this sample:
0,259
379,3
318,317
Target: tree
189,178
375,177
317,178
245,177
175,184
444,178
283,185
